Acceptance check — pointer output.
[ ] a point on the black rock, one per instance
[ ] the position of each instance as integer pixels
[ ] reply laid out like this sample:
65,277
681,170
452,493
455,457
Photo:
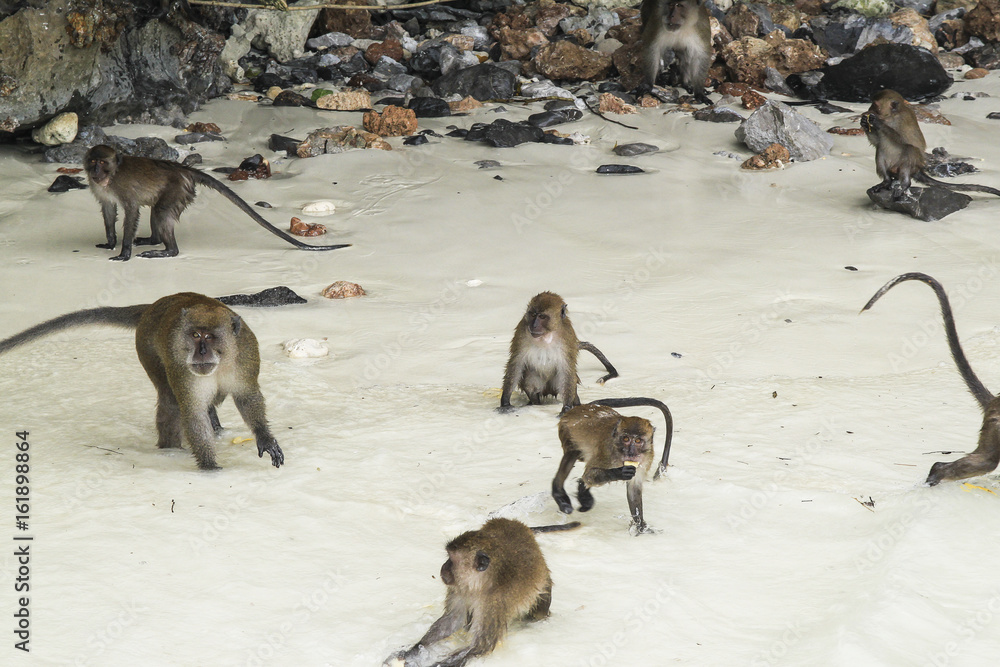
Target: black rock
843,34
252,163
764,14
458,133
91,135
287,98
263,204
557,140
914,73
429,107
273,296
191,159
987,57
619,169
714,114
553,105
224,170
483,82
430,133
280,143
631,150
611,87
927,204
268,80
394,101
154,148
415,140
487,164
504,134
993,115
65,183
67,153
555,117
498,177
197,137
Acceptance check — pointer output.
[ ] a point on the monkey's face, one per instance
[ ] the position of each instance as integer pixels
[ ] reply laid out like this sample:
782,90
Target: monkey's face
204,346
465,568
633,439
538,323
677,13
100,165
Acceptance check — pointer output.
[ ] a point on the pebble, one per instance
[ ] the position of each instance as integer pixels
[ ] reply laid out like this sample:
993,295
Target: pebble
320,208
631,150
64,183
305,348
619,169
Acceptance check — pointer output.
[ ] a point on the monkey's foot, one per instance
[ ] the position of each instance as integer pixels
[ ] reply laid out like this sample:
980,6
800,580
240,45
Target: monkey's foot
123,257
156,254
107,246
703,98
641,528
505,409
562,500
585,497
147,240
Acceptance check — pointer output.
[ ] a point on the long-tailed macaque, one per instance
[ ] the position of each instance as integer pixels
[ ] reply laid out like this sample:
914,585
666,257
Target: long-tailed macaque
986,456
196,351
495,575
167,188
682,26
613,448
891,126
543,355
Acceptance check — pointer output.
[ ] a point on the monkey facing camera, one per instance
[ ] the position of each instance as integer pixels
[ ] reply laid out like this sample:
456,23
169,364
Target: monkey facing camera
196,351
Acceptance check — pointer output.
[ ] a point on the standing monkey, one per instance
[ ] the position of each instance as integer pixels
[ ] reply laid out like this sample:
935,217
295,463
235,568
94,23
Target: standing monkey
682,26
167,188
987,454
196,351
543,355
892,128
613,448
495,575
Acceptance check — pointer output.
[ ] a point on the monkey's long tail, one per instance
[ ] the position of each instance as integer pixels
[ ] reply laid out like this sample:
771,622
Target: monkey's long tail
590,347
653,403
554,528
974,384
957,187
127,317
205,179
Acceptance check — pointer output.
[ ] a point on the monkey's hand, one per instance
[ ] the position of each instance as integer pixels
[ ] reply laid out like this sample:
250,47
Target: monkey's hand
870,122
624,473
270,445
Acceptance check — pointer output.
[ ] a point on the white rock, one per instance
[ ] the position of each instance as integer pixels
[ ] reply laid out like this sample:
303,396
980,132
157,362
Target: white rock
60,130
305,348
320,208
474,282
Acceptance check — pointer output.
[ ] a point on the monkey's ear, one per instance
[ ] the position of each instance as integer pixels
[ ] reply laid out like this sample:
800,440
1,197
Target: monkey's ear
237,324
562,311
482,561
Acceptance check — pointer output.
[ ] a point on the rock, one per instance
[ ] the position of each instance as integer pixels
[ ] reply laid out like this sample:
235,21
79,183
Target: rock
631,150
465,105
555,117
976,73
64,183
197,137
915,73
983,20
993,115
718,114
207,128
320,208
546,88
752,100
628,61
778,123
355,22
392,122
299,228
60,130
846,34
272,296
329,39
281,34
453,61
305,348
619,169
483,82
986,57
922,36
610,103
110,64
151,147
847,131
343,289
252,167
429,107
287,98
950,60
749,20
279,143
337,140
415,140
748,59
390,48
928,204
773,80
567,61
774,156
487,164
519,44
948,5
502,133
345,100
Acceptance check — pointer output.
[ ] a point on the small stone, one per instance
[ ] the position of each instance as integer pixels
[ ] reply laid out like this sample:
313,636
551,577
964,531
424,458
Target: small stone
273,92
718,114
60,130
631,150
976,73
774,156
415,140
300,228
263,204
343,289
649,102
846,131
928,204
851,268
345,100
320,208
339,139
487,164
305,348
252,167
502,133
204,127
197,137
752,100
64,183
272,296
69,170
993,115
619,169
287,98
392,122
555,117
429,107
191,159
390,48
610,103
467,103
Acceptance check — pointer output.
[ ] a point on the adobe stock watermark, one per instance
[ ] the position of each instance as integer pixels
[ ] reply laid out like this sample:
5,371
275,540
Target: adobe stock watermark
975,623
634,622
891,536
100,640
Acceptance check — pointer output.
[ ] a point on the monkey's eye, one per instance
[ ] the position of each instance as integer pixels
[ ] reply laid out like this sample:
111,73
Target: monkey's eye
482,561
195,334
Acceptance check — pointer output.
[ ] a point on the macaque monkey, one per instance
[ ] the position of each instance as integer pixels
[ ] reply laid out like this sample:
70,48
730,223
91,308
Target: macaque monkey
986,456
682,26
196,351
613,448
167,188
495,575
543,354
891,126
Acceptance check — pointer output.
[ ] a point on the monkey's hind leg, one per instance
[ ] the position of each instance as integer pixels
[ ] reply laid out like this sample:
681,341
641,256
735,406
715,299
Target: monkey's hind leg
161,221
168,420
983,460
633,491
558,489
540,610
585,497
213,418
128,233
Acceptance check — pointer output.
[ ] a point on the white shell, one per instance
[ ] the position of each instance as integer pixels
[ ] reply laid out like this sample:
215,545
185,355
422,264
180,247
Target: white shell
305,348
320,208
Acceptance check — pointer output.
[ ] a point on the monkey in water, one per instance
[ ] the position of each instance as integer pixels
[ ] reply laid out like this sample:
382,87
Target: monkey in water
891,126
495,575
196,351
613,448
167,188
543,354
682,26
987,454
